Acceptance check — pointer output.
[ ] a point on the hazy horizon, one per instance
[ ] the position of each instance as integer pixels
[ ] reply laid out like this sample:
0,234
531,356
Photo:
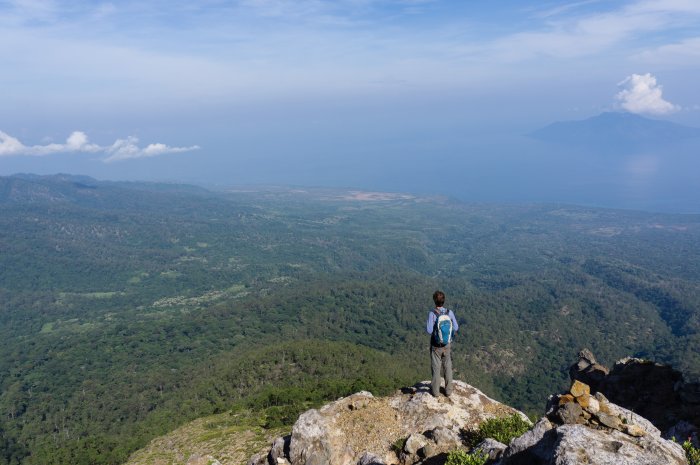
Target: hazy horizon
417,96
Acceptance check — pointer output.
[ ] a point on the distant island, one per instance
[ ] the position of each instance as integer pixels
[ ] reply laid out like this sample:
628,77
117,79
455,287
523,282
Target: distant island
617,131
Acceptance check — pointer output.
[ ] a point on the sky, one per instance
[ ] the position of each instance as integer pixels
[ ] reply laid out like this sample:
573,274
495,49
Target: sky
349,93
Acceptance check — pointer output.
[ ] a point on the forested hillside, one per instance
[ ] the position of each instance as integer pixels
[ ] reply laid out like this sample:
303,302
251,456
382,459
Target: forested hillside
127,309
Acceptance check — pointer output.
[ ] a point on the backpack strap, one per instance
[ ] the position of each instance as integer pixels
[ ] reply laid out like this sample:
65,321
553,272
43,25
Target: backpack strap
443,312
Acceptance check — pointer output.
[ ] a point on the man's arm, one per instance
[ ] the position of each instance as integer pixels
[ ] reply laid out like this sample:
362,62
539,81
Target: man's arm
431,322
455,326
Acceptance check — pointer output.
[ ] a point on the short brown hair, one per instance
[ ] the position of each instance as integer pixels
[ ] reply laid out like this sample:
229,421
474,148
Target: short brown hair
439,298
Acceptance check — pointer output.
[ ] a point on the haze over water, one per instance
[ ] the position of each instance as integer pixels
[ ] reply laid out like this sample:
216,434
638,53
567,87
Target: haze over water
435,97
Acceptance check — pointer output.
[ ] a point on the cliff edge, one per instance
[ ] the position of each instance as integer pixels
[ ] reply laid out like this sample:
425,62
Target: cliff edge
407,427
580,426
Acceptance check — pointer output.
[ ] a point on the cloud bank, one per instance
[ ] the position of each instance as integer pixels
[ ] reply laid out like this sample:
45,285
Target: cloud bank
641,94
121,149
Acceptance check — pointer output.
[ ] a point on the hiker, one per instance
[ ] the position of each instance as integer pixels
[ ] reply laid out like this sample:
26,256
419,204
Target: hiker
442,326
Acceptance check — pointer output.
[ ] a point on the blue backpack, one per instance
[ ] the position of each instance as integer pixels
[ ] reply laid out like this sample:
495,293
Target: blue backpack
442,330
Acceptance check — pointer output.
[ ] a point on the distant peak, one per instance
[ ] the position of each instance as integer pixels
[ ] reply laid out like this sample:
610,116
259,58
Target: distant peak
616,130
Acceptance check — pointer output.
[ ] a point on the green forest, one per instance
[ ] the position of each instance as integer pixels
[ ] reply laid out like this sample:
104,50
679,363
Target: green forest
128,309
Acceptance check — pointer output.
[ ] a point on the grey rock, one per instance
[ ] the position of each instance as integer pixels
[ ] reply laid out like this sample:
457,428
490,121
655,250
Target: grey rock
551,406
593,406
633,430
309,444
445,437
490,447
588,370
568,414
257,459
580,444
529,438
359,403
429,450
630,418
414,442
370,459
611,421
280,449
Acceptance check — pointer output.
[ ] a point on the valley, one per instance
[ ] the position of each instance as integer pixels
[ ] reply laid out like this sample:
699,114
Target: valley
129,309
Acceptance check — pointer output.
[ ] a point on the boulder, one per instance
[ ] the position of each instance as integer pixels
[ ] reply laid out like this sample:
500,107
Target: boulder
445,438
566,398
618,437
580,444
569,413
492,448
280,449
593,405
611,421
257,459
588,370
429,450
370,459
414,442
526,441
579,389
311,442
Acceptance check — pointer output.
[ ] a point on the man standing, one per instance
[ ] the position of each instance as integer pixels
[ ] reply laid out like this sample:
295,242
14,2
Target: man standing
442,326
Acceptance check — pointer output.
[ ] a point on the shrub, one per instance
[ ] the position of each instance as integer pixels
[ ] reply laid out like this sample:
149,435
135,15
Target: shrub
399,444
462,457
502,430
691,453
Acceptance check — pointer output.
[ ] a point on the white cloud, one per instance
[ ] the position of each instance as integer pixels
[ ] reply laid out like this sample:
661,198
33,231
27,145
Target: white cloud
125,149
121,149
76,142
641,94
9,145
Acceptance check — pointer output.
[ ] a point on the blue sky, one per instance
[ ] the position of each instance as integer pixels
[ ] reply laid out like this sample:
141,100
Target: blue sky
203,91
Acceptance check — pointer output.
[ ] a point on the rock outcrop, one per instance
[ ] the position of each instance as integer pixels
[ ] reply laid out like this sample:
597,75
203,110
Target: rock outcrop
653,390
580,428
600,420
407,427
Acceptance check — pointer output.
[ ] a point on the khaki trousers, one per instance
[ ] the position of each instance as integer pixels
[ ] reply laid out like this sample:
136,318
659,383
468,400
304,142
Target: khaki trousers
441,365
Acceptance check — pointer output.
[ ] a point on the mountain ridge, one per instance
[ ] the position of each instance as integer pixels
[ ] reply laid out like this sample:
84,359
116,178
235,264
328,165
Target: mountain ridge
616,130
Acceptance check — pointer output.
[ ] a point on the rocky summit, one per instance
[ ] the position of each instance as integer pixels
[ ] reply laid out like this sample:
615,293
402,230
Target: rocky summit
410,426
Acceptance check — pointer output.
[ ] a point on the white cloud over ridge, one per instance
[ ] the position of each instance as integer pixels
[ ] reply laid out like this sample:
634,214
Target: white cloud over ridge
77,142
125,149
642,94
